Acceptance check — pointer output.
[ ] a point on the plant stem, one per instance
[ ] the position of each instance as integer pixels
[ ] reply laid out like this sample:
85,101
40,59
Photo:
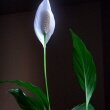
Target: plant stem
45,71
86,101
86,107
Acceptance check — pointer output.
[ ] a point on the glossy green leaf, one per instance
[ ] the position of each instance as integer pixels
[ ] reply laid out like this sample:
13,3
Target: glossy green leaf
83,107
26,102
84,66
39,95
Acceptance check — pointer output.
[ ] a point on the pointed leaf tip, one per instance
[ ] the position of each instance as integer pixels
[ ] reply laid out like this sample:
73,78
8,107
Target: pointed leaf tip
26,102
38,93
84,66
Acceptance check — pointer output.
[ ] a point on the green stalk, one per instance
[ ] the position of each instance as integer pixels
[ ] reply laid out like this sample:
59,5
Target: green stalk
86,91
86,99
45,71
86,103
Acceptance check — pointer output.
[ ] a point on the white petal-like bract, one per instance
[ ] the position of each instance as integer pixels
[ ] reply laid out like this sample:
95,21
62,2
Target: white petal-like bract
44,21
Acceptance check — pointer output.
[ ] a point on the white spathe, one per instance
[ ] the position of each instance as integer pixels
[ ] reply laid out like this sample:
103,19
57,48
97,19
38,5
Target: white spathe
44,21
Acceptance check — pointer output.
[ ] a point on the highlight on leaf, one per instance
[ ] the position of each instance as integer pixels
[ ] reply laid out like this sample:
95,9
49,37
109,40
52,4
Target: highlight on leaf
26,102
36,91
84,67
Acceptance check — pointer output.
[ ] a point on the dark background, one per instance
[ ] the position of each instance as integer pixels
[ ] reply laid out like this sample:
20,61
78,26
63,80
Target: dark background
21,54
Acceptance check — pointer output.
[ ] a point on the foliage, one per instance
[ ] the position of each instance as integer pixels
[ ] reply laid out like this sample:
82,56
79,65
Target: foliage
38,101
84,67
83,107
85,71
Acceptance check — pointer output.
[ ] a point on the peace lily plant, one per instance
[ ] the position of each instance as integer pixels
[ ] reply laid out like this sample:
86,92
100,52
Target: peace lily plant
84,66
44,25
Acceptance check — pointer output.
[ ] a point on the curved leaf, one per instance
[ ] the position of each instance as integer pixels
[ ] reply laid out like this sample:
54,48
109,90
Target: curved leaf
39,95
84,66
26,102
83,107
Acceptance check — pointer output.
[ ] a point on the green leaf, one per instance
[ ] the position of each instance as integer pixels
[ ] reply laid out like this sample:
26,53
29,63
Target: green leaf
84,66
39,95
26,102
83,107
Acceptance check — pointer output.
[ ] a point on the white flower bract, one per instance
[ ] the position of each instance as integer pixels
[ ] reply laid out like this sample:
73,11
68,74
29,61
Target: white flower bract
44,21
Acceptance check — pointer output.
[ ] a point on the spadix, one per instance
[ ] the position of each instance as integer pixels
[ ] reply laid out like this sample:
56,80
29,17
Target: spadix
44,22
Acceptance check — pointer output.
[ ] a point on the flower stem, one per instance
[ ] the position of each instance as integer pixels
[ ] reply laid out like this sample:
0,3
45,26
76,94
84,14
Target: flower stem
45,71
86,107
86,101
